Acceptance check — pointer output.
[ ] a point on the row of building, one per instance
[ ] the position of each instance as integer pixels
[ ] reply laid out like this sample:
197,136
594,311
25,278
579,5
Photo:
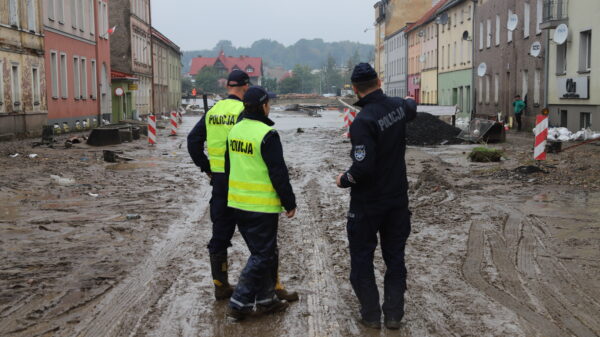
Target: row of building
479,54
72,62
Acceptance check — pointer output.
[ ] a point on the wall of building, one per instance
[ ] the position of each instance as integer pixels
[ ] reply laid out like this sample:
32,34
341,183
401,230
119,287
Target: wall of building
414,65
582,17
428,60
510,68
401,12
23,108
396,53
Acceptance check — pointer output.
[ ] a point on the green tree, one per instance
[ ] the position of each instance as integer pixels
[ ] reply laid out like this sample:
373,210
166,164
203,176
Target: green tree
289,85
186,85
207,80
302,81
270,84
332,78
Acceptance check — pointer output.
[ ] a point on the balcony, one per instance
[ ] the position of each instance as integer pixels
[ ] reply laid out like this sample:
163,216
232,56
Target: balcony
554,13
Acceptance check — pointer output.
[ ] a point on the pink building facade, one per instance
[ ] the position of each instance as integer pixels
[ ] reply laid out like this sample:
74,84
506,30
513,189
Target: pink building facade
77,62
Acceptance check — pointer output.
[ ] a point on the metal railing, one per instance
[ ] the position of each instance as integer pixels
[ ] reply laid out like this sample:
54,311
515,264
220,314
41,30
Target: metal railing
555,10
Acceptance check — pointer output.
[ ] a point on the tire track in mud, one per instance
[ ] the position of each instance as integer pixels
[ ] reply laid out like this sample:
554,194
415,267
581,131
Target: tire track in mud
472,273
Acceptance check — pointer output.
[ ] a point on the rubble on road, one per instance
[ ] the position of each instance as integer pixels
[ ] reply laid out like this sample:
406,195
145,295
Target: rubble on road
427,129
565,135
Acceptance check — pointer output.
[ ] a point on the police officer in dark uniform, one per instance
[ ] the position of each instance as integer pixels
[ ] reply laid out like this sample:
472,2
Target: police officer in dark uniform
213,129
259,190
379,197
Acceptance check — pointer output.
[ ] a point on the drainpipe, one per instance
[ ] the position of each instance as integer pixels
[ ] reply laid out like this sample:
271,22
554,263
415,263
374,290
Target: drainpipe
98,85
547,68
474,90
151,60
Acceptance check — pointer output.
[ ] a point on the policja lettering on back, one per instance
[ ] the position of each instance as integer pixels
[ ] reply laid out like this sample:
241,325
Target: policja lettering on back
259,188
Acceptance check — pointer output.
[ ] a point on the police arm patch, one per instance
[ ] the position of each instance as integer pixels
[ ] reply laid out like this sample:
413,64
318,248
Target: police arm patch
360,152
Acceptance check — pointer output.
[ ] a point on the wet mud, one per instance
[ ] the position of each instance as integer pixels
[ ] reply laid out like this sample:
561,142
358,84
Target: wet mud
488,255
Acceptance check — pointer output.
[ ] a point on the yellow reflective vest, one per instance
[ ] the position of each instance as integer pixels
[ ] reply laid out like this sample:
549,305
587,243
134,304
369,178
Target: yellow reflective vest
219,121
250,187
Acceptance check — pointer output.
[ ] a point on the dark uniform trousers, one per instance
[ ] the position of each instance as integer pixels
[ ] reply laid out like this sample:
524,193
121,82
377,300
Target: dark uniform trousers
257,281
392,221
222,217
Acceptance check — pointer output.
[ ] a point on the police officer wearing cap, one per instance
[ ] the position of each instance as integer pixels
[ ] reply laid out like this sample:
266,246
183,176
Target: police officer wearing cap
378,197
213,129
259,190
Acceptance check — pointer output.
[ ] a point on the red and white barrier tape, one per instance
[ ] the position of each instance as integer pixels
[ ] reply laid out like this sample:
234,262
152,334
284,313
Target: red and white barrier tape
174,123
541,136
152,129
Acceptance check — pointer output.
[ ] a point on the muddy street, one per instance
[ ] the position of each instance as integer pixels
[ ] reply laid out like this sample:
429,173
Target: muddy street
121,250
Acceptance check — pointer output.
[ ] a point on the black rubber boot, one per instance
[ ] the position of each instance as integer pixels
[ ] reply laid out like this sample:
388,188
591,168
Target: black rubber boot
274,307
218,266
391,323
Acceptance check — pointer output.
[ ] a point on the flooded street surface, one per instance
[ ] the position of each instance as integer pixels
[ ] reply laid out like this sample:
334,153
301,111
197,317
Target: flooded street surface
489,255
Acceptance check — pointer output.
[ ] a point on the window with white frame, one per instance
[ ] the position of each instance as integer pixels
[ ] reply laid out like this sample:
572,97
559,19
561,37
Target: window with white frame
462,55
585,51
91,19
32,15
1,85
15,81
487,89
35,84
50,9
60,11
81,13
443,55
585,120
64,81
481,35
489,33
54,73
497,30
449,62
454,54
525,85
13,13
509,32
496,88
76,79
537,87
74,13
539,16
480,90
84,82
526,19
561,59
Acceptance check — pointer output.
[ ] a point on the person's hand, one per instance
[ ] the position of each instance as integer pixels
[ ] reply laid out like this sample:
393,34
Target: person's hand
290,214
338,181
409,97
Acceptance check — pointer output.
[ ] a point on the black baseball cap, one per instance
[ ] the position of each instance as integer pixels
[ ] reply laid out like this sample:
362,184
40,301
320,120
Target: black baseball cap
363,72
257,96
237,78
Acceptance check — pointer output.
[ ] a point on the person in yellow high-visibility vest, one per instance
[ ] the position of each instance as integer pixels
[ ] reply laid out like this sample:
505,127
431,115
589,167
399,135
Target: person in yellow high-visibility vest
259,190
213,129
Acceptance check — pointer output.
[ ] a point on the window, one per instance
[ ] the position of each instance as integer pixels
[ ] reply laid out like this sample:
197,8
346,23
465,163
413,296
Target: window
525,85
454,53
54,73
536,87
526,19
35,83
469,13
76,79
84,86
564,119
60,11
585,51
64,88
91,17
13,12
74,13
510,33
249,70
32,15
50,9
480,90
481,35
489,33
497,30
462,15
462,55
496,88
561,59
449,55
15,87
585,120
1,86
81,14
539,18
487,89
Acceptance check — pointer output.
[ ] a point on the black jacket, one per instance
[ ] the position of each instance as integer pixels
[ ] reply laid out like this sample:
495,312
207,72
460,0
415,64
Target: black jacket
196,139
272,154
378,136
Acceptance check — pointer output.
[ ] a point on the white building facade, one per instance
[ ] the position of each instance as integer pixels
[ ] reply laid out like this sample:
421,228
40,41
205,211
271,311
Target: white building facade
396,53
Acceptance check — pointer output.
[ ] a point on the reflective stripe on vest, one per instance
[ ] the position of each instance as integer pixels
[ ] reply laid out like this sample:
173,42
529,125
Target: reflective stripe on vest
219,121
250,187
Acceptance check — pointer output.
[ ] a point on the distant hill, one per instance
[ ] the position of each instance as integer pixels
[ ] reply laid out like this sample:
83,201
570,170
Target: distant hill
312,53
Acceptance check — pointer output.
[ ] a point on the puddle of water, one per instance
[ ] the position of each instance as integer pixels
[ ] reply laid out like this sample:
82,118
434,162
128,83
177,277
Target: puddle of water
130,166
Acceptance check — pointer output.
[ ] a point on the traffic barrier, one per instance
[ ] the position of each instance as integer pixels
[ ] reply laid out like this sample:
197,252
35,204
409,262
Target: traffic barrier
174,124
152,129
541,136
349,116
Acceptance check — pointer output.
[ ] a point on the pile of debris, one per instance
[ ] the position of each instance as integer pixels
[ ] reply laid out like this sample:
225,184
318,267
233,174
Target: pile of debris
427,129
564,135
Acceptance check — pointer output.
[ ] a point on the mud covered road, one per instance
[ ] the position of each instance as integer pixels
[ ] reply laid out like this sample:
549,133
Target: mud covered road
492,253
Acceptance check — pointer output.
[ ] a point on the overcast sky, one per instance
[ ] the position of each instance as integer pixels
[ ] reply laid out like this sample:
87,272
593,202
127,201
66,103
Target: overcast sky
200,24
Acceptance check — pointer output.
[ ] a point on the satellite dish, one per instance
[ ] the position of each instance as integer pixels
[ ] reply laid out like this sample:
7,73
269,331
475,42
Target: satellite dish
561,34
422,59
421,33
482,69
513,21
465,35
536,49
443,18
